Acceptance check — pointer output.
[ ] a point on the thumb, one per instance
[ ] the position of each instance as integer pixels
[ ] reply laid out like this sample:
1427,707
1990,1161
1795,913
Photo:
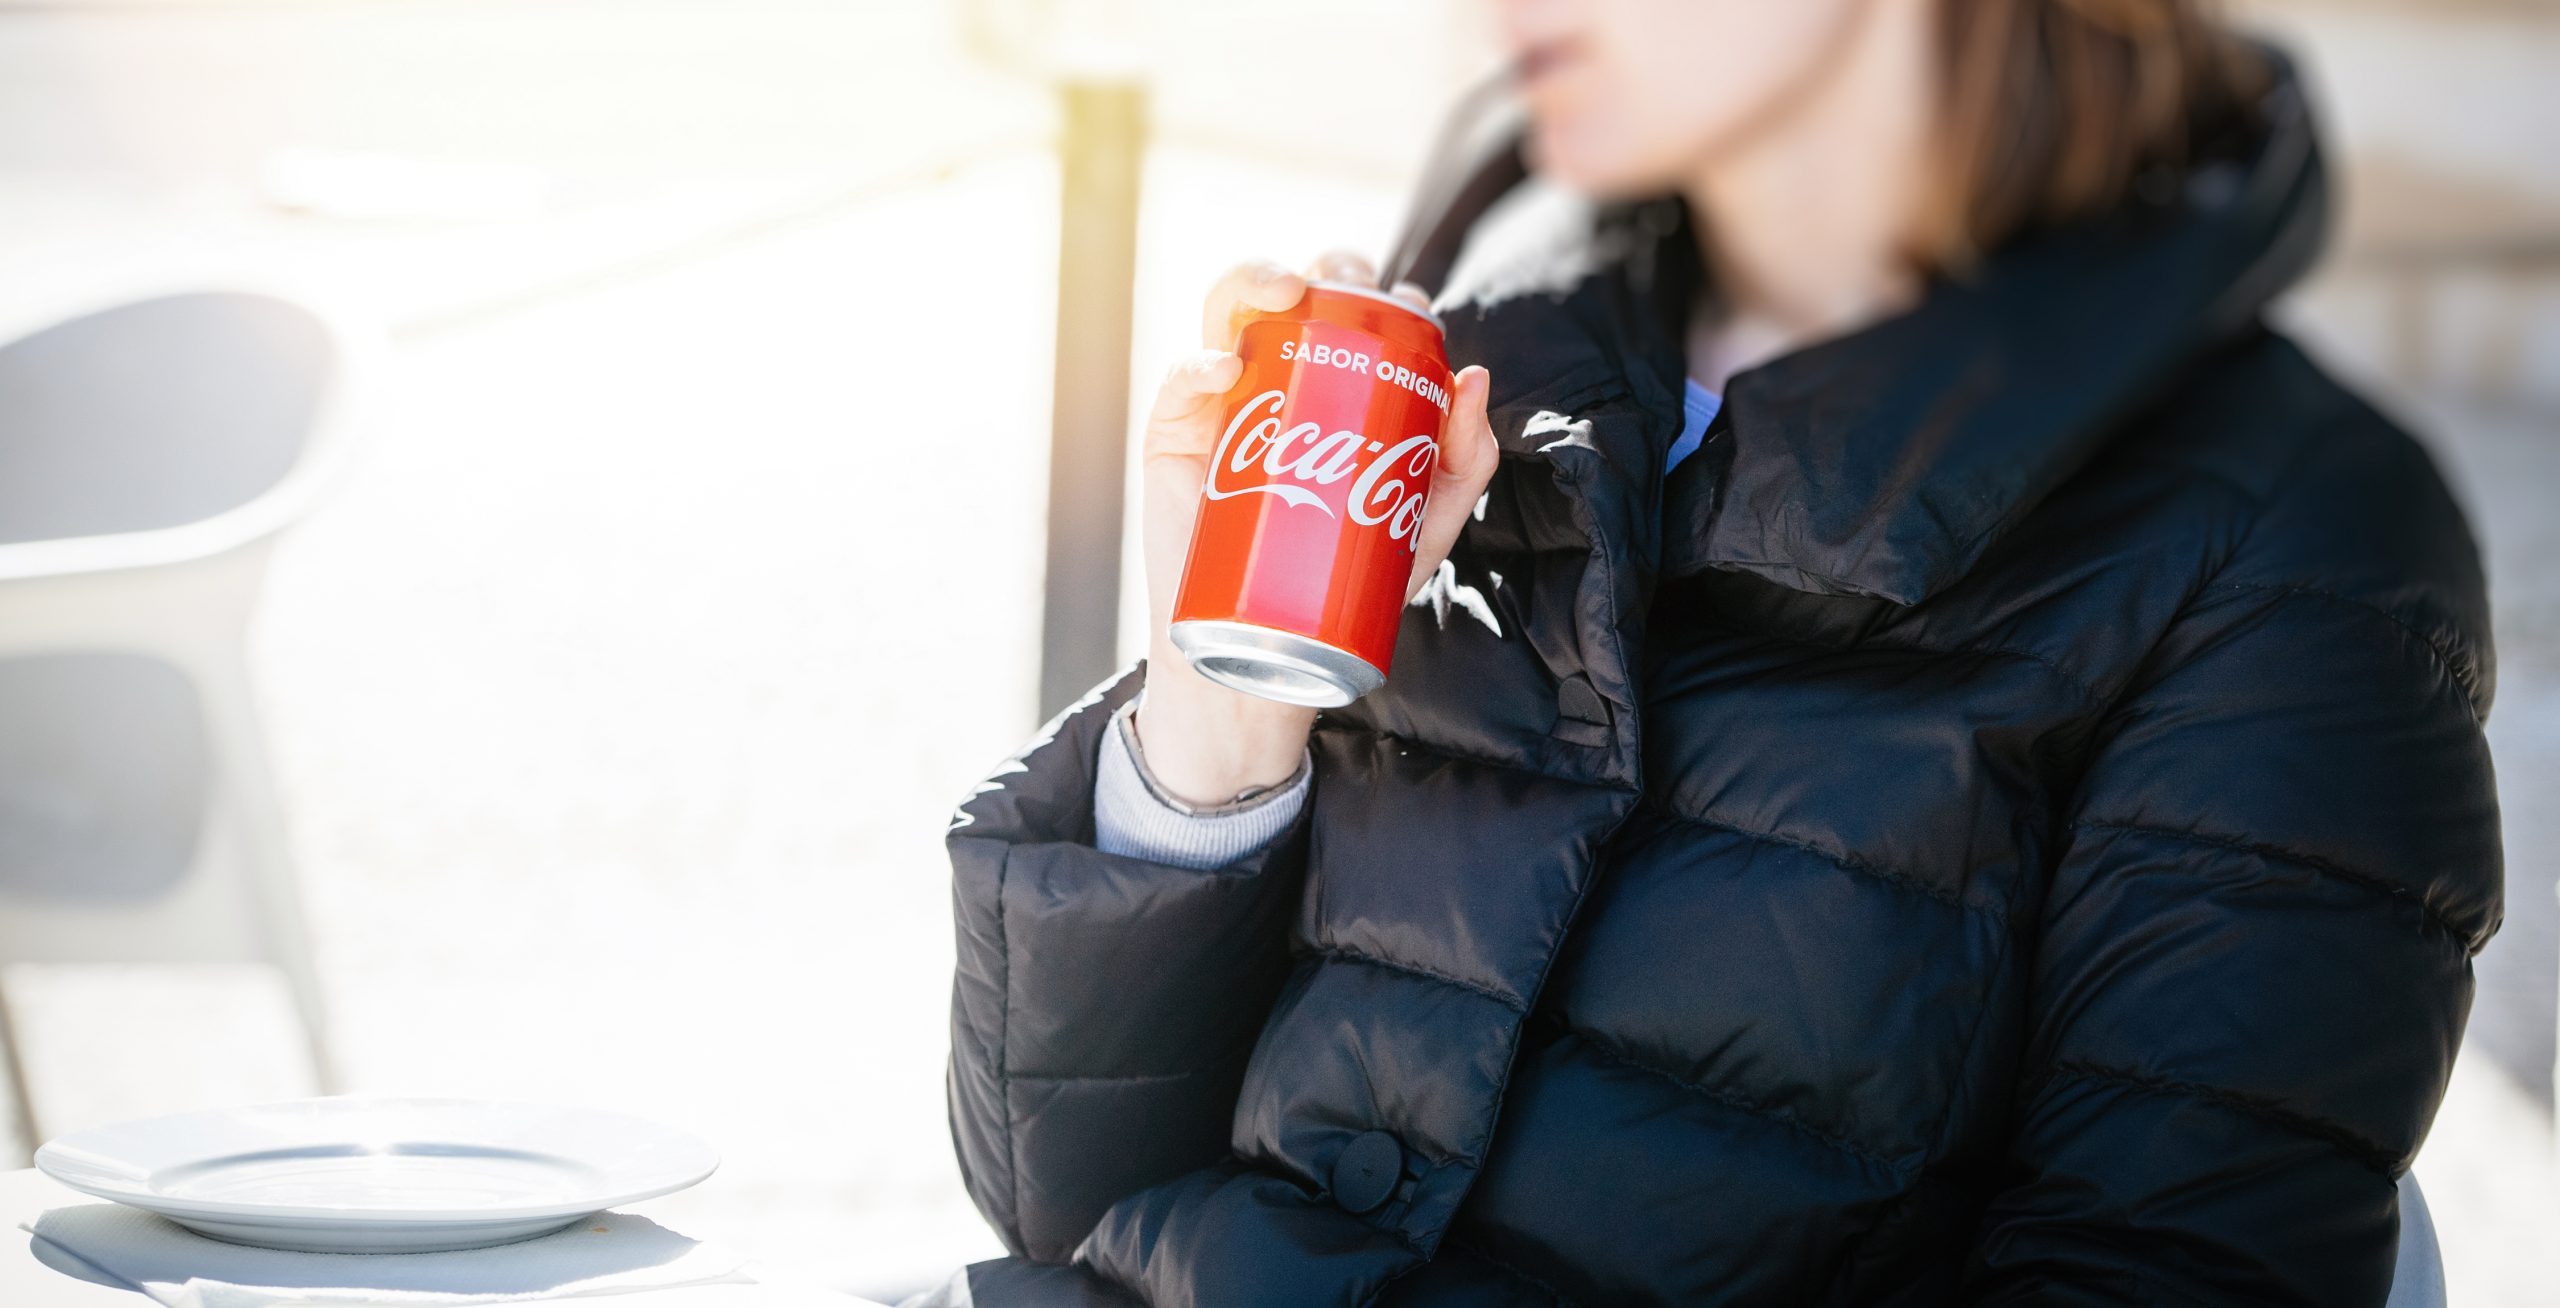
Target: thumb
1467,458
1467,449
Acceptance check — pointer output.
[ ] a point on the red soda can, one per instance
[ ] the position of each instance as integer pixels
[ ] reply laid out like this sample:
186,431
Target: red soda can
1308,521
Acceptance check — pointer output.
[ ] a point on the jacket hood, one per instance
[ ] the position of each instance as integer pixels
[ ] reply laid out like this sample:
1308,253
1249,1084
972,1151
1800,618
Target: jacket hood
1884,462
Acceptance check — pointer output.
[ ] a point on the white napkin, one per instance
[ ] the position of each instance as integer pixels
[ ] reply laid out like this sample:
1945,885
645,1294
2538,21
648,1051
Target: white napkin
608,1254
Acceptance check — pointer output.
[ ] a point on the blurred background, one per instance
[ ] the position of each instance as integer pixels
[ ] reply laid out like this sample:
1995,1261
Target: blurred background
679,557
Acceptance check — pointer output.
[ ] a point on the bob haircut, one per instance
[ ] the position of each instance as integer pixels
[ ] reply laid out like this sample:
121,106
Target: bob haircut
2051,110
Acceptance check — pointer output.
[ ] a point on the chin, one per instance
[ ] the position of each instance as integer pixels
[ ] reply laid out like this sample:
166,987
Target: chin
1595,163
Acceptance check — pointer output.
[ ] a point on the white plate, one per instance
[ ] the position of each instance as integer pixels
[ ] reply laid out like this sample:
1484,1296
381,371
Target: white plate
367,1175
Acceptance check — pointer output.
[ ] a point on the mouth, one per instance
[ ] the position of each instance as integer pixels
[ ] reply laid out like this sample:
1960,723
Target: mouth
1543,61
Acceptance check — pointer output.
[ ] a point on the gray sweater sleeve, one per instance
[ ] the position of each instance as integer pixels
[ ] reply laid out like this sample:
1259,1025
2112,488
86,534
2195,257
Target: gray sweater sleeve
1134,816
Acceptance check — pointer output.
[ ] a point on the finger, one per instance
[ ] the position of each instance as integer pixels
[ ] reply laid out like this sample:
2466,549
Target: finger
1468,452
1467,458
1192,386
1413,295
1343,266
1255,286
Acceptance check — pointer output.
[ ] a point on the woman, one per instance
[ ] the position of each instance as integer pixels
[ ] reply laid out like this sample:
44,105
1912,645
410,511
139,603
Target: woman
1942,762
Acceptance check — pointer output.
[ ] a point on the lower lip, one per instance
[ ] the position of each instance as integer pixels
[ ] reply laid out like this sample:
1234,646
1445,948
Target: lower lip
1539,65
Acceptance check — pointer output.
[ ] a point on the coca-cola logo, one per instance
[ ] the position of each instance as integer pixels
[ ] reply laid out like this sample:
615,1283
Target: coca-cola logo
1388,484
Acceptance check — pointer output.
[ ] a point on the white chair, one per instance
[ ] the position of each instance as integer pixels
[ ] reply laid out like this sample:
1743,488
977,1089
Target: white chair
149,454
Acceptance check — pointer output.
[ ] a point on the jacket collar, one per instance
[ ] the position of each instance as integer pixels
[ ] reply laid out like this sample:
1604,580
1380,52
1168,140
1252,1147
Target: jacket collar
1885,462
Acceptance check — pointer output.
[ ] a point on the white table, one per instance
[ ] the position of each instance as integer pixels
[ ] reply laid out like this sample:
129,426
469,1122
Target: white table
30,1281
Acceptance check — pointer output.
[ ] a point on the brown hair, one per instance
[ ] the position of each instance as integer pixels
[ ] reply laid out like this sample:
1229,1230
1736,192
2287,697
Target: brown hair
2058,109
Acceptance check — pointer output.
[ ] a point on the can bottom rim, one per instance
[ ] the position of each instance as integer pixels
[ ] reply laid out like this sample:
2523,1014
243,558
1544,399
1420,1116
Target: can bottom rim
1273,664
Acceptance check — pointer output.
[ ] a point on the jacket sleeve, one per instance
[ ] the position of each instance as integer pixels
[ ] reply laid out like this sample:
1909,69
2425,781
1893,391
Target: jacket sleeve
2253,966
1103,1006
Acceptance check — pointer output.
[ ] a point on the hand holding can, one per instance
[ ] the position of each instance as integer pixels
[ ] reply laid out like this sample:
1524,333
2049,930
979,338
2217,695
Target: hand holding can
1325,567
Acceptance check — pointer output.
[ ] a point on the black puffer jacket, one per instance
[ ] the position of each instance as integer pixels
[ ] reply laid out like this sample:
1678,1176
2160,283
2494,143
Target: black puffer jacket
2006,822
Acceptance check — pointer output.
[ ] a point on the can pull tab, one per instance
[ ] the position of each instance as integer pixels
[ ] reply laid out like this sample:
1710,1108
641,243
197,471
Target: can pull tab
1582,716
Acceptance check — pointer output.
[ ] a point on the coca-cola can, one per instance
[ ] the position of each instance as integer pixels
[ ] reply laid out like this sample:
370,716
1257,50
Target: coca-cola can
1313,504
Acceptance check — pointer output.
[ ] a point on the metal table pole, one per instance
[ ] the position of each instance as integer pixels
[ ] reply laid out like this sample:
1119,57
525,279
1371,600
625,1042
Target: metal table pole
1101,149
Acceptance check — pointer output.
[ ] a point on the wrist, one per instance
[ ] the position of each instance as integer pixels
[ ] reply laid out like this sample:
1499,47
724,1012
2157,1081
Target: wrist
1207,744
